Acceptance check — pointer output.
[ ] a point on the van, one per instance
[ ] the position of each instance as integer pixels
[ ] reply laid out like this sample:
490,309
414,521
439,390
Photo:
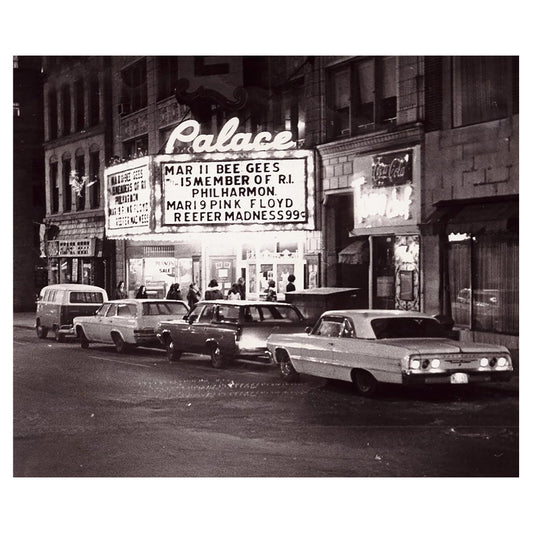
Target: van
58,304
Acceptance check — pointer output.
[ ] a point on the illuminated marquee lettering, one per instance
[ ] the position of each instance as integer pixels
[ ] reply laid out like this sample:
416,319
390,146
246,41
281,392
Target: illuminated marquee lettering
228,140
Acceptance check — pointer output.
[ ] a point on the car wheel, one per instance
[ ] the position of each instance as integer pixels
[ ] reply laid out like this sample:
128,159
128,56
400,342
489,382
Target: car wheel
172,353
365,383
84,341
288,373
217,359
120,345
42,332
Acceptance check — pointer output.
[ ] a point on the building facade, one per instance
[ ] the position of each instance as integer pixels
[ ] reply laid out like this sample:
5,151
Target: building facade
29,267
398,176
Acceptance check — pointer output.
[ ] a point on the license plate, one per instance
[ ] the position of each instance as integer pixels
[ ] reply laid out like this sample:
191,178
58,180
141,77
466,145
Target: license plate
459,377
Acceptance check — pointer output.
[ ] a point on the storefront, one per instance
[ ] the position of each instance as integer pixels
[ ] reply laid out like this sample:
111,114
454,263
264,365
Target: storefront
226,208
373,227
77,260
479,242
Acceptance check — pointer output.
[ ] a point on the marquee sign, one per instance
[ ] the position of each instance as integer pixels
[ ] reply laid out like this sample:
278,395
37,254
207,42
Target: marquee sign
243,191
128,196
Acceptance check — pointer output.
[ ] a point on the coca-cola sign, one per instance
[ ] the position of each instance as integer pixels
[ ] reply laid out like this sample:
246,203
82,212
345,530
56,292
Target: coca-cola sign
389,170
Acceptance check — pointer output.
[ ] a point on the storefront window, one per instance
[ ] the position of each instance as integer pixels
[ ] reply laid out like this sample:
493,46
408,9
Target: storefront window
383,272
483,275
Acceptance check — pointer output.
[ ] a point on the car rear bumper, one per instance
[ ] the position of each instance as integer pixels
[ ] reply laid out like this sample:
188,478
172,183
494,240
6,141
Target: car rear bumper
446,377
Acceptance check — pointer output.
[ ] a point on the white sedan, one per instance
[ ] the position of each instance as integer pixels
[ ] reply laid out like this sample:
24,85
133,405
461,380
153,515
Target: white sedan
367,347
127,323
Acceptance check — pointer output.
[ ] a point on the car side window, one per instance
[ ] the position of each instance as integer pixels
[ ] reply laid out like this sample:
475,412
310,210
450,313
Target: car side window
102,311
228,313
329,327
207,314
251,314
127,310
112,310
348,331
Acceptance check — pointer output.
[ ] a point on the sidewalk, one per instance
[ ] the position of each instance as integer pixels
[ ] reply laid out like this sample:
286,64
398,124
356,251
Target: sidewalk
24,320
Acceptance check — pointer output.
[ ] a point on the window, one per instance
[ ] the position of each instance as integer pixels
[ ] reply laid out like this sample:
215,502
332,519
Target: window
80,105
293,111
52,114
361,96
112,310
67,187
54,188
329,327
65,110
16,109
167,76
134,93
94,101
86,297
80,171
487,266
207,314
164,308
102,311
127,310
137,147
94,179
482,89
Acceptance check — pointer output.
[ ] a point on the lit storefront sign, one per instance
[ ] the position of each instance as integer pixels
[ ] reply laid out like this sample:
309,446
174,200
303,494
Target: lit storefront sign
72,248
388,196
127,197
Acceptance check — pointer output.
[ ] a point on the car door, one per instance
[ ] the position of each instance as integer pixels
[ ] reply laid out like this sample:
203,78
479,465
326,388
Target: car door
125,321
317,357
103,330
91,324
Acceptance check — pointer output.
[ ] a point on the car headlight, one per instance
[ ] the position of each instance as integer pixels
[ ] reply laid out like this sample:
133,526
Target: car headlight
414,364
484,362
435,363
502,361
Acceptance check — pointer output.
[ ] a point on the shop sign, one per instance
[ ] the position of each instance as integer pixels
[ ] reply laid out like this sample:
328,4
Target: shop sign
228,140
253,191
72,248
386,197
389,170
127,197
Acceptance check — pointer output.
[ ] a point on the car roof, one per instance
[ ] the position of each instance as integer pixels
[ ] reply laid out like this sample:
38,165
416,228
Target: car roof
370,314
74,286
244,302
142,300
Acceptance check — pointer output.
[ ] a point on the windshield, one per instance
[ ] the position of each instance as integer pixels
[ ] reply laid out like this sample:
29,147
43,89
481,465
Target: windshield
404,327
164,308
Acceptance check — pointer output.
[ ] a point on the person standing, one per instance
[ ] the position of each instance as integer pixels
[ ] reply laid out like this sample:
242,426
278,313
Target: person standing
234,293
120,293
271,294
213,292
193,296
290,286
241,284
141,293
174,292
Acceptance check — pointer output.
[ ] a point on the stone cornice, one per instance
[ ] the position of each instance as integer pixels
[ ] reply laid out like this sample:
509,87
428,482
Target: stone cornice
373,141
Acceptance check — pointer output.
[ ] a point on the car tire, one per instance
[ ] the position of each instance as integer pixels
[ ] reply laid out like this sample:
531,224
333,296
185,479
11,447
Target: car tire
287,370
41,331
365,383
120,345
84,341
172,353
217,359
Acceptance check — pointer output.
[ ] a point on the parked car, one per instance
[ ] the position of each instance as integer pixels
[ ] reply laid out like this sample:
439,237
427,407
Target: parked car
228,329
127,323
58,304
367,347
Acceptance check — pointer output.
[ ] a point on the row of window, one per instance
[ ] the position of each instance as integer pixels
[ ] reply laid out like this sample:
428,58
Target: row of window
67,112
75,183
362,95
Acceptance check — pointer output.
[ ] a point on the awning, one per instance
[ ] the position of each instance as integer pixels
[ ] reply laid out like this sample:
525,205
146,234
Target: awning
485,216
356,253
